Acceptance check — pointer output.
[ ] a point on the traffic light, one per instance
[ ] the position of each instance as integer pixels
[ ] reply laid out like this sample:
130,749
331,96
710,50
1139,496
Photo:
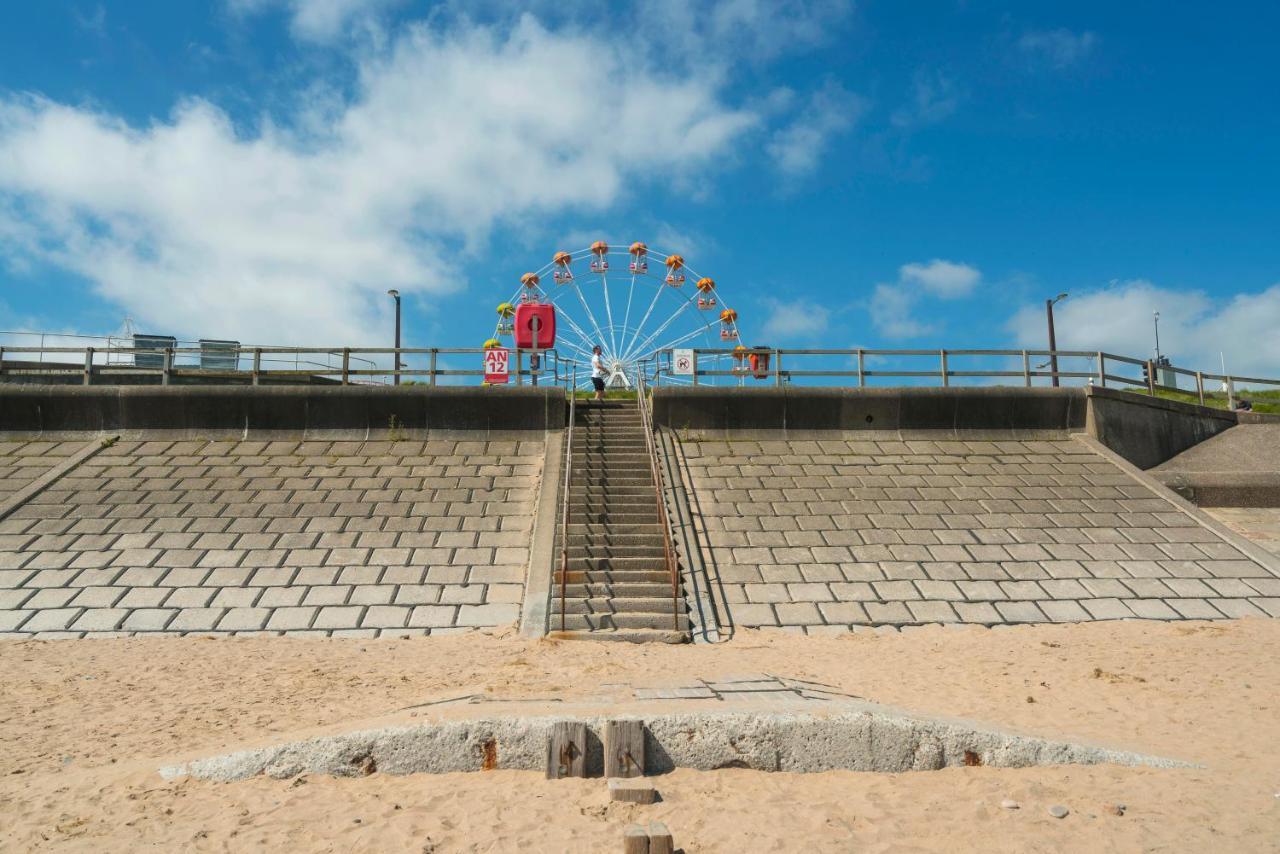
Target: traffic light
1146,373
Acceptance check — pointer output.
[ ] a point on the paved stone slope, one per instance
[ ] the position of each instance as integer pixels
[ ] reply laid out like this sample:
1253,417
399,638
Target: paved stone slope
823,535
290,536
23,462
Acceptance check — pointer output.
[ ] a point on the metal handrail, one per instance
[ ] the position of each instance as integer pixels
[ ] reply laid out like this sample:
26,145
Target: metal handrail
564,518
646,424
944,372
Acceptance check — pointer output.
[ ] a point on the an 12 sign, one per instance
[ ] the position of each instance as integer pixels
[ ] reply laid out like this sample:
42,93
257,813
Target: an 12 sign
496,363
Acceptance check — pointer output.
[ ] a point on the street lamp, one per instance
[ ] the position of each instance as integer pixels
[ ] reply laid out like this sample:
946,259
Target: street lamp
1156,316
1053,345
395,295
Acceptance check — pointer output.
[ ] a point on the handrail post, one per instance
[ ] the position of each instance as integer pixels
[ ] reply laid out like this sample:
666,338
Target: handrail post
862,379
777,367
88,365
167,366
1231,393
346,365
1026,368
694,367
257,365
1200,386
432,381
1,361
519,362
1151,377
564,519
1102,369
945,380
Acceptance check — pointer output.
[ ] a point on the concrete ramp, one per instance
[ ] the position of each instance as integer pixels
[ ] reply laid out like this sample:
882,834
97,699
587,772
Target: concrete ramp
1236,468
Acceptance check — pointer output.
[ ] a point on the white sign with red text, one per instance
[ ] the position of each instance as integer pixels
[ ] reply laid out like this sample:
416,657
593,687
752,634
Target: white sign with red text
495,366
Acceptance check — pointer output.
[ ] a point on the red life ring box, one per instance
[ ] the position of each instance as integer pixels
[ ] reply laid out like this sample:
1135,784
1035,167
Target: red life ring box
546,317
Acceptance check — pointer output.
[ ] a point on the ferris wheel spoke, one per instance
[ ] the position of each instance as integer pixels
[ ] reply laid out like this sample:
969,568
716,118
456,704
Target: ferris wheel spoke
608,309
626,320
630,345
635,351
590,315
683,338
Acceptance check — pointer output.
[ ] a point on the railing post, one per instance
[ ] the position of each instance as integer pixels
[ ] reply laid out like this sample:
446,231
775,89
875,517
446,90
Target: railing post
1026,368
777,367
346,365
862,379
519,361
1,361
88,365
945,380
1200,387
1151,377
168,366
1102,369
1231,393
694,367
432,381
257,365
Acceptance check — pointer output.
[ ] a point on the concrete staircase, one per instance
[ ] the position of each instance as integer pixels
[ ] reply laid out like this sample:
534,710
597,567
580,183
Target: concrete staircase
618,586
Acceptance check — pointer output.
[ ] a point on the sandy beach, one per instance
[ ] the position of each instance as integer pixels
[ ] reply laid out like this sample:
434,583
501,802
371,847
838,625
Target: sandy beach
86,724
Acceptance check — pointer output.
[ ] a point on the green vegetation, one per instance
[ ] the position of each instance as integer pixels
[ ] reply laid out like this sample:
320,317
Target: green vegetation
609,394
1263,401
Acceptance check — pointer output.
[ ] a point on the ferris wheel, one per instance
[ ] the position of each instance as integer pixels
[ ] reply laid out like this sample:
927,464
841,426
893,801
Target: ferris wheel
633,313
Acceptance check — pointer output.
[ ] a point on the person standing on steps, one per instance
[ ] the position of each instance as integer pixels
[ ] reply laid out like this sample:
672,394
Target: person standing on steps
597,372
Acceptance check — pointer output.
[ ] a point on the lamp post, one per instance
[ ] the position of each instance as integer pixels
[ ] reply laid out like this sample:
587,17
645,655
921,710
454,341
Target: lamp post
1053,344
395,295
1156,317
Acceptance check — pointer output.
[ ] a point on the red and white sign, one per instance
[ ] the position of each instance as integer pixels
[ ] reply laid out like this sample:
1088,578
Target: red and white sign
495,366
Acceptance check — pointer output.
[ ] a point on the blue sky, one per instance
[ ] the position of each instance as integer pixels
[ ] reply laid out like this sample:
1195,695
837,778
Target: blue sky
851,174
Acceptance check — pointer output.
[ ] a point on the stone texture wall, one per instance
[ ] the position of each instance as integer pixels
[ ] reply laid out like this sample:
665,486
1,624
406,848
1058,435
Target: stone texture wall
367,538
821,536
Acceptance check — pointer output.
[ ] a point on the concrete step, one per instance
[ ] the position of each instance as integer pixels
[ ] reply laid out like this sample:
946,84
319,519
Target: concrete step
615,541
613,529
614,605
607,551
590,514
617,590
634,573
624,635
596,622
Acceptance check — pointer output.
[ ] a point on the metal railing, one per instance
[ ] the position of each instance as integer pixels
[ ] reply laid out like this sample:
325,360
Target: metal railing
646,424
258,365
564,514
780,366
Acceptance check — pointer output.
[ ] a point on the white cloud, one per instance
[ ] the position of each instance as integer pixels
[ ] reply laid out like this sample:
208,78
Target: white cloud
1060,48
792,320
318,20
1194,327
893,305
933,98
293,235
798,148
944,279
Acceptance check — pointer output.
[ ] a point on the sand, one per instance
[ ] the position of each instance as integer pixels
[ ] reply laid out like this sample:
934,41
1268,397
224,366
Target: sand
85,724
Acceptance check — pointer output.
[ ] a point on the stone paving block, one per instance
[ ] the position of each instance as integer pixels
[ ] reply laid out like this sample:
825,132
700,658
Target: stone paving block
148,619
1268,604
1236,608
432,616
755,615
888,612
1195,609
932,612
842,612
798,614
144,597
339,617
196,619
241,619
1020,612
11,619
386,617
977,612
1151,609
99,620
496,614
371,594
1107,609
291,618
327,595
236,597
98,597
1064,611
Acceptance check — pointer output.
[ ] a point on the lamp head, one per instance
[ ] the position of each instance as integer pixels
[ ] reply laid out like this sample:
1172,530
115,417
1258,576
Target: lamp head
394,293
1060,297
